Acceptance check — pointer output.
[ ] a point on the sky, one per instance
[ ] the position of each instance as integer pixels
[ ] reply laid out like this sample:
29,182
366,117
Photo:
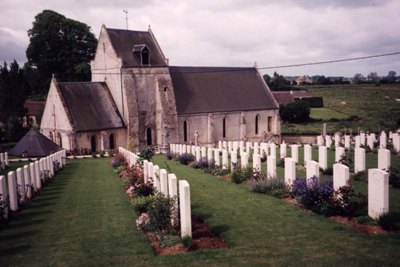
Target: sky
235,32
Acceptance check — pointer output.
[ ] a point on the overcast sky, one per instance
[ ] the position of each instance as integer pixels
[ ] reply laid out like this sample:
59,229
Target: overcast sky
235,32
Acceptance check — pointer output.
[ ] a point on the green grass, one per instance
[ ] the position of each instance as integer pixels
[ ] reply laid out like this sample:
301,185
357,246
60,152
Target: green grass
83,218
365,101
327,114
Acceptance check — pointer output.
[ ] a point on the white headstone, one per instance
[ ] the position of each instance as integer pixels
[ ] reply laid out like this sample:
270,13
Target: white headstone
273,150
323,157
383,159
235,146
2,162
164,182
198,153
244,158
216,157
359,160
12,191
156,177
3,190
150,171
224,159
362,139
185,209
320,140
271,167
382,140
241,147
220,145
347,141
21,184
290,171
224,145
357,141
37,176
282,150
307,154
341,175
145,170
337,139
234,160
209,154
370,141
28,183
295,152
339,153
378,193
203,152
312,169
172,185
256,148
328,141
256,162
396,142
230,146
6,158
33,176
248,147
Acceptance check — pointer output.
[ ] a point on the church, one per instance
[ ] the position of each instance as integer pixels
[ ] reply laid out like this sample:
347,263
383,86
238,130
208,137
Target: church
137,100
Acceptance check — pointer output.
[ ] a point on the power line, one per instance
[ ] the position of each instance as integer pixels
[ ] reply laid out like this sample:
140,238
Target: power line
329,61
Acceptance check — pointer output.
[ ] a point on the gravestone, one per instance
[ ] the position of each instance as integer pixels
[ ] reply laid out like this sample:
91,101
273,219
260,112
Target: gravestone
37,176
370,141
307,153
12,191
396,142
6,158
337,139
378,193
234,160
357,141
328,141
248,147
256,148
339,153
224,145
216,157
382,140
33,176
282,150
320,140
219,145
241,147
230,146
204,152
347,141
209,154
21,184
198,153
150,172
164,182
383,159
28,182
256,162
145,170
312,169
244,160
235,146
295,152
2,162
323,157
3,191
359,160
362,139
224,159
156,178
271,167
172,185
193,150
185,210
290,171
264,149
273,150
341,175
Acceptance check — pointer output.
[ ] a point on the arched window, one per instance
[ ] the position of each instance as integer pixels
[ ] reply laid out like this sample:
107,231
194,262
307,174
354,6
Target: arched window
185,131
269,124
256,123
59,139
148,136
93,143
51,136
112,141
224,128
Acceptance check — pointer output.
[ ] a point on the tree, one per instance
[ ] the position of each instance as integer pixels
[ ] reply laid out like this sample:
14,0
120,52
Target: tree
358,78
13,93
373,77
278,82
60,46
295,112
391,77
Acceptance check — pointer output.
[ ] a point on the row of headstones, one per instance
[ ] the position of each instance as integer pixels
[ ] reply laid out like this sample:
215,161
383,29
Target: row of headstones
27,180
166,183
363,139
3,160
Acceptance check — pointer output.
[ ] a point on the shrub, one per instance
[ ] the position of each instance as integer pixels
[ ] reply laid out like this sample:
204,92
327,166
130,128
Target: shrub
146,154
187,242
390,221
274,187
240,175
220,172
346,160
185,158
328,171
295,112
160,214
118,160
142,204
3,210
170,155
143,190
394,177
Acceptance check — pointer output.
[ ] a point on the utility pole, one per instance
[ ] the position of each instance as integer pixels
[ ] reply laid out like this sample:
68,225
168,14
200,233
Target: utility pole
126,17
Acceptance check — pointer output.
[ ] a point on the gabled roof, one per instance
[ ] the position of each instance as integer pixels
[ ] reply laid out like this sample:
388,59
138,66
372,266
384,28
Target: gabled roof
34,144
124,42
283,97
91,106
219,89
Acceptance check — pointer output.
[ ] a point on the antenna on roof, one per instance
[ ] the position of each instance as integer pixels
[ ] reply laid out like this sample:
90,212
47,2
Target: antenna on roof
126,17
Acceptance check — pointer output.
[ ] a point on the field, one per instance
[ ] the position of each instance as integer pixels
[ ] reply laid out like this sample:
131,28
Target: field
352,107
83,218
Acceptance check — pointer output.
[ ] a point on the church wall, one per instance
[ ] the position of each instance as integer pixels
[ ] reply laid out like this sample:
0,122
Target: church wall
83,139
210,126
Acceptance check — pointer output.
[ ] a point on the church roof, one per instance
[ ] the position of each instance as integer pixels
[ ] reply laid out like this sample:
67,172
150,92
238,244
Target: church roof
124,42
91,106
34,144
219,89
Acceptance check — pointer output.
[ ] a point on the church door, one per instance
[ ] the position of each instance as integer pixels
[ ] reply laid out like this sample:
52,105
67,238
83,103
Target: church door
148,136
93,144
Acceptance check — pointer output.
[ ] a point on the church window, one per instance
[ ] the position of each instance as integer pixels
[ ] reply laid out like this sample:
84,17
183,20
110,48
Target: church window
165,88
269,124
93,143
112,141
148,137
51,136
224,128
256,123
142,53
185,131
59,139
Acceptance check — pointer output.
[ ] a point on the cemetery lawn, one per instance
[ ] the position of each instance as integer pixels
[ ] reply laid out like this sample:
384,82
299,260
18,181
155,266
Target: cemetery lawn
83,218
365,101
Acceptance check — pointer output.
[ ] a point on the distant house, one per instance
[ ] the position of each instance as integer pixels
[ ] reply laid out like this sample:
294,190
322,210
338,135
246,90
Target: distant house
303,80
285,97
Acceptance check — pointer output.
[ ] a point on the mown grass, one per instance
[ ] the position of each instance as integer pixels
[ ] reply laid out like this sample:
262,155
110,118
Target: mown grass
83,218
327,114
367,102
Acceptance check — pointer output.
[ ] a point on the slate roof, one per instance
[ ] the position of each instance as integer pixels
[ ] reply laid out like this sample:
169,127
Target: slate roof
285,97
124,42
219,89
91,106
34,144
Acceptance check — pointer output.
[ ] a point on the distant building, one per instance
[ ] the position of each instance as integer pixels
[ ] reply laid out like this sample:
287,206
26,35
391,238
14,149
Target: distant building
285,97
136,100
34,112
303,80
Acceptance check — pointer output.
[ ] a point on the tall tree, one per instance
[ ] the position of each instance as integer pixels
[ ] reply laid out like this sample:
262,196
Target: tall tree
60,46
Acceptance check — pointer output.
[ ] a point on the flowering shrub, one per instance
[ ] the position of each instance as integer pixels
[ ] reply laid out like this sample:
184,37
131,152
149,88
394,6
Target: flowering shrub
160,214
260,183
240,175
142,221
170,155
118,160
134,174
185,158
